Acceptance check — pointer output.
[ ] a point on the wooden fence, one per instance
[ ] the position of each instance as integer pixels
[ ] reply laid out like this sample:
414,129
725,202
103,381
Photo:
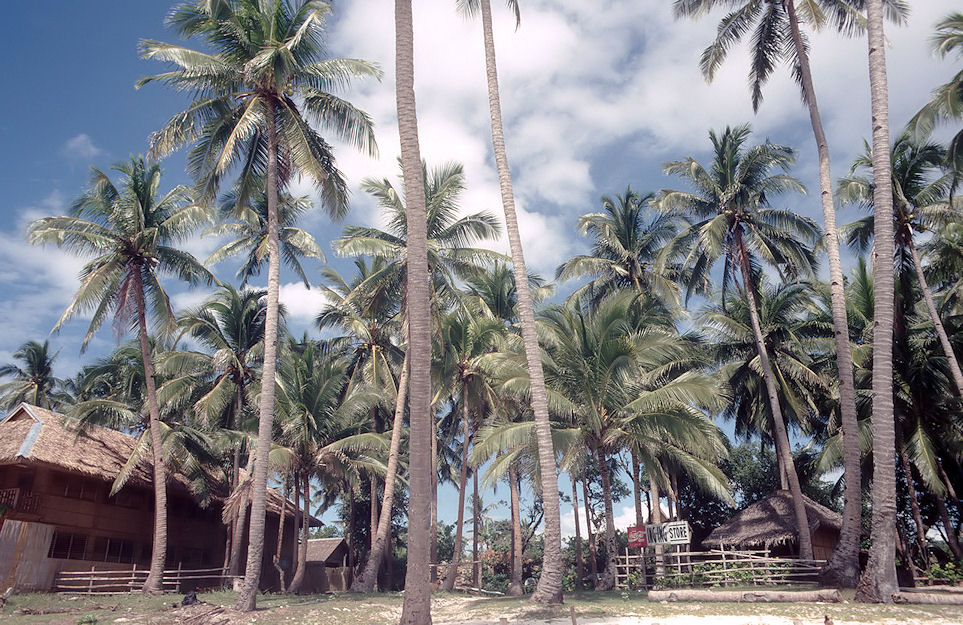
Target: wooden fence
110,582
675,569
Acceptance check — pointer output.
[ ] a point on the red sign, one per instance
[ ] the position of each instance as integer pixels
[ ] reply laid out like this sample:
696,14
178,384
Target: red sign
637,537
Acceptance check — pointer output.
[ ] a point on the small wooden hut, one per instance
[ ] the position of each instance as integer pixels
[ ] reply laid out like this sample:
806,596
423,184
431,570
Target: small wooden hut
328,569
771,524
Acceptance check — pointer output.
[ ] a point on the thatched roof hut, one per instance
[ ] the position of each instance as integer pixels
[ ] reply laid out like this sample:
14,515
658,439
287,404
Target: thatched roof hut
771,522
327,551
41,436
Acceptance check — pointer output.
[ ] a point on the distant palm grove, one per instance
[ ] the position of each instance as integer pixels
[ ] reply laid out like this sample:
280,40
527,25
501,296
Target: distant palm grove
831,351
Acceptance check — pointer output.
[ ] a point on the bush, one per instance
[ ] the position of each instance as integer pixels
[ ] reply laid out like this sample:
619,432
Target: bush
948,573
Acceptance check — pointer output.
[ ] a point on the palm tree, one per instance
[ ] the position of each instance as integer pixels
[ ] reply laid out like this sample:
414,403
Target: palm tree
777,36
320,420
878,581
450,256
623,383
230,328
468,339
244,112
417,605
368,310
249,230
920,204
625,250
34,382
734,220
947,102
794,339
129,231
549,589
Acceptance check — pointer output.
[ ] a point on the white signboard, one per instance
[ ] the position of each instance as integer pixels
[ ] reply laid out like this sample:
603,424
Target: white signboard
674,533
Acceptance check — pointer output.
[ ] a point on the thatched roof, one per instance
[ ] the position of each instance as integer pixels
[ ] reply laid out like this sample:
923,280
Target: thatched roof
242,496
327,550
36,435
771,521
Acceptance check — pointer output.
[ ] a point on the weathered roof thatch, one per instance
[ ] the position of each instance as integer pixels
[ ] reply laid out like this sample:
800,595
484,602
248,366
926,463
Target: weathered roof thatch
771,521
327,550
34,434
43,436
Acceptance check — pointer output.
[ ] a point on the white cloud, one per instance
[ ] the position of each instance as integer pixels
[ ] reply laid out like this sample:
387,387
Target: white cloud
302,304
81,148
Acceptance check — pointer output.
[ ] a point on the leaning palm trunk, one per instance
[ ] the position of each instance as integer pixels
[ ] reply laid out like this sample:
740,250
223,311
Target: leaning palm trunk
951,360
369,576
298,581
878,582
417,605
951,537
155,579
842,568
611,550
247,598
277,550
914,505
779,433
515,584
452,573
549,589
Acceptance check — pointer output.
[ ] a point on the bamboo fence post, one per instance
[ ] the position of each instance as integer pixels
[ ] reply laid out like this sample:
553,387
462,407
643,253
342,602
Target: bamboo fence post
90,582
725,572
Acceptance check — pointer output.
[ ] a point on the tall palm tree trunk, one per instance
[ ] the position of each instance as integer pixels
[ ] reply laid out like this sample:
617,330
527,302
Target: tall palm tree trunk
951,360
155,579
298,581
878,582
369,575
842,568
295,544
549,588
515,588
579,566
655,516
593,558
780,434
277,552
636,487
349,533
475,531
247,598
611,549
417,605
374,516
451,574
433,547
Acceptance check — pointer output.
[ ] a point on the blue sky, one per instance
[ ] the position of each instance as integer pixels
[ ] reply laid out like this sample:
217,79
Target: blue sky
596,96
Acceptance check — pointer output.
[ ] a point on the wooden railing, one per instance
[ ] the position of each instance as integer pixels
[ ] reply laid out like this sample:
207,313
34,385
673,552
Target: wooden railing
110,582
20,500
712,568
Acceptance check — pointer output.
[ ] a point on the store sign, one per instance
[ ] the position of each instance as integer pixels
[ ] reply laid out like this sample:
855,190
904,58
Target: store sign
674,533
637,536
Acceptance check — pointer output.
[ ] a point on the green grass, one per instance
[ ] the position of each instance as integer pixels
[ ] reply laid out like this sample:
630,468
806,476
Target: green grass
384,609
